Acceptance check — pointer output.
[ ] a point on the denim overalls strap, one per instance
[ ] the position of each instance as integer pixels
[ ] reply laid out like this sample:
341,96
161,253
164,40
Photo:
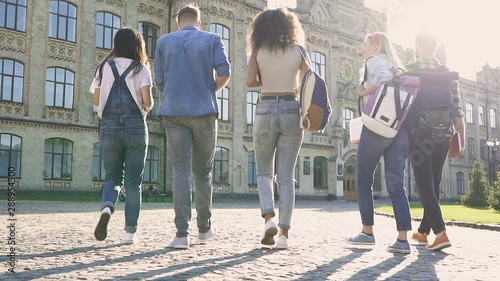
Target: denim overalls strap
120,102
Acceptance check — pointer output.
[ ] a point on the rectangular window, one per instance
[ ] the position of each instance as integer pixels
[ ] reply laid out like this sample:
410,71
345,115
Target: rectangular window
13,14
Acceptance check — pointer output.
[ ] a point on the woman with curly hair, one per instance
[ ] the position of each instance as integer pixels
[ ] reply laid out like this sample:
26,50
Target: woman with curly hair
275,38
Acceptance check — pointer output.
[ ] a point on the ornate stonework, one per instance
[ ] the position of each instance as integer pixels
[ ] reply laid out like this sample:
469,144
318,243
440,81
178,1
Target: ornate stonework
151,10
13,109
118,3
62,51
12,41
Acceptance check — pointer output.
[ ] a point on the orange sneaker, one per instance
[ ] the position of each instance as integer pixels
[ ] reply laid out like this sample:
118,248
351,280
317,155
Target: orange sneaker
440,243
420,239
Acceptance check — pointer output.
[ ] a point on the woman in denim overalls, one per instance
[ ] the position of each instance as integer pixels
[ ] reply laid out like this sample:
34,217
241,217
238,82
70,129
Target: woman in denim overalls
122,92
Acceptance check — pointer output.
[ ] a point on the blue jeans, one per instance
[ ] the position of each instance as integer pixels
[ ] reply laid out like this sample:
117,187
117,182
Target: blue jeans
191,149
427,157
276,133
123,148
395,151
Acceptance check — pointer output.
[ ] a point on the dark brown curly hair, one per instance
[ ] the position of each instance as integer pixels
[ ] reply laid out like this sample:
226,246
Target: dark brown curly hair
275,29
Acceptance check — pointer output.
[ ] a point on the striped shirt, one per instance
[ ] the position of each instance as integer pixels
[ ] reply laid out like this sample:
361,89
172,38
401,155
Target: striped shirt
433,63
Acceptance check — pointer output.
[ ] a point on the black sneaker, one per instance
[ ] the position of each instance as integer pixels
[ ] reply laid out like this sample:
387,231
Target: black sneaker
101,230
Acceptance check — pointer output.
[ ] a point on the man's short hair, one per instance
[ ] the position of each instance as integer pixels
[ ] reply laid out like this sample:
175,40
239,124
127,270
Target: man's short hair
426,39
190,12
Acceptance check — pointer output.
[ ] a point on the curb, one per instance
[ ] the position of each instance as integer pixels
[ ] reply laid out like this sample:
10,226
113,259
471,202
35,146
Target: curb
492,227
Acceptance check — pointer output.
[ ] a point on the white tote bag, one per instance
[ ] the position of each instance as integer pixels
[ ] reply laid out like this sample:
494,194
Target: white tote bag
355,127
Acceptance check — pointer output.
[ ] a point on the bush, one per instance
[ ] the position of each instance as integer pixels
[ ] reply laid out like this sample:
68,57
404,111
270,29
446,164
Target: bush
494,197
477,189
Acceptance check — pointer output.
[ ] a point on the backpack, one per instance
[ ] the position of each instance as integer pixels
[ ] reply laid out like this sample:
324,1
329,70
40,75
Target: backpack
387,107
433,114
315,107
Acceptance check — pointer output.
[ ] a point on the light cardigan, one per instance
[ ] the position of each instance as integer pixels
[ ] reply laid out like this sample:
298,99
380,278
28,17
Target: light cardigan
378,68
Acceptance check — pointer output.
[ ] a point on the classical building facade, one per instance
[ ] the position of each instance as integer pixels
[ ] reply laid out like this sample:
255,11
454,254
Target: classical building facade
48,127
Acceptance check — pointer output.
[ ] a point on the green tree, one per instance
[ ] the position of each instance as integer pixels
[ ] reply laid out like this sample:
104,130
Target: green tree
477,189
494,197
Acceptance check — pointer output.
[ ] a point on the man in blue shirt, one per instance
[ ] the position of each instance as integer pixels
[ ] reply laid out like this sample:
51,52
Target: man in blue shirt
184,66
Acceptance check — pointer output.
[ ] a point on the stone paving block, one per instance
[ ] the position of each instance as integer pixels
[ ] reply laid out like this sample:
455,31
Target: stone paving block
54,241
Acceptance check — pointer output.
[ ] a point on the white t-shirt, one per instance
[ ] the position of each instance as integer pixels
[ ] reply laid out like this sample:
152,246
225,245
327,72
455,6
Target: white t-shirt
134,83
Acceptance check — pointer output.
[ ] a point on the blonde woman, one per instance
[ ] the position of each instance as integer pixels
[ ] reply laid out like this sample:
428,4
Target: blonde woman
380,58
275,62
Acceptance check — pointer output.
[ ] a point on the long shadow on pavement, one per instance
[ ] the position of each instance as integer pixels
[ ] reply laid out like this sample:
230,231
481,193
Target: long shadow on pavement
67,252
235,259
199,267
420,269
372,272
322,272
423,268
28,275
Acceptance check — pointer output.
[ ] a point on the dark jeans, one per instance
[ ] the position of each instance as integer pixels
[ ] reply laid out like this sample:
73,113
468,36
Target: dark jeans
123,147
395,151
427,156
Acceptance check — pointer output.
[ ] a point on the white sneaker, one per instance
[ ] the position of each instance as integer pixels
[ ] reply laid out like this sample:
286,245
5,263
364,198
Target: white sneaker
130,238
270,230
180,243
282,243
209,235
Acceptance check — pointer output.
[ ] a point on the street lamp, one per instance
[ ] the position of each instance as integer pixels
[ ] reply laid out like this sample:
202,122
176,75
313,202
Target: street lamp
493,144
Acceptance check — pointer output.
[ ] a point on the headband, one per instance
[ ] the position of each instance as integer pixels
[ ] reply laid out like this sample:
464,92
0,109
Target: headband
376,38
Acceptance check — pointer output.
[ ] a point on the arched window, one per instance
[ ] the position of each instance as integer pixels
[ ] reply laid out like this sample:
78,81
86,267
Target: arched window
493,118
252,98
150,33
460,183
58,158
252,169
106,28
98,172
11,80
62,21
13,14
471,148
480,111
468,113
151,166
223,102
223,32
221,165
318,61
10,155
320,172
59,87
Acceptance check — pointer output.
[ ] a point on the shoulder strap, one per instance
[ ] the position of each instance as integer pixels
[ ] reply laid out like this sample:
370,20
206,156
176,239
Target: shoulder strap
112,64
305,56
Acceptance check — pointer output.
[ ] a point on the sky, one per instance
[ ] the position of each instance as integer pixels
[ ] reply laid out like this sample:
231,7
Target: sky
467,29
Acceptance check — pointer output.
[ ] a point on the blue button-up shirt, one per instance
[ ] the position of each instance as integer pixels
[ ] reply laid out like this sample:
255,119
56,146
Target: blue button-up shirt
184,66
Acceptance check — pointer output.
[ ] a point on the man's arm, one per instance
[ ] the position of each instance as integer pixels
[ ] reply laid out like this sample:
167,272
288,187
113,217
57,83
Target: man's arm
221,65
158,67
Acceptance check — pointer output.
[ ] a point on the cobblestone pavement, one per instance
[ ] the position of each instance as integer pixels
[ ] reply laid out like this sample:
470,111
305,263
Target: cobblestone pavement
54,241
